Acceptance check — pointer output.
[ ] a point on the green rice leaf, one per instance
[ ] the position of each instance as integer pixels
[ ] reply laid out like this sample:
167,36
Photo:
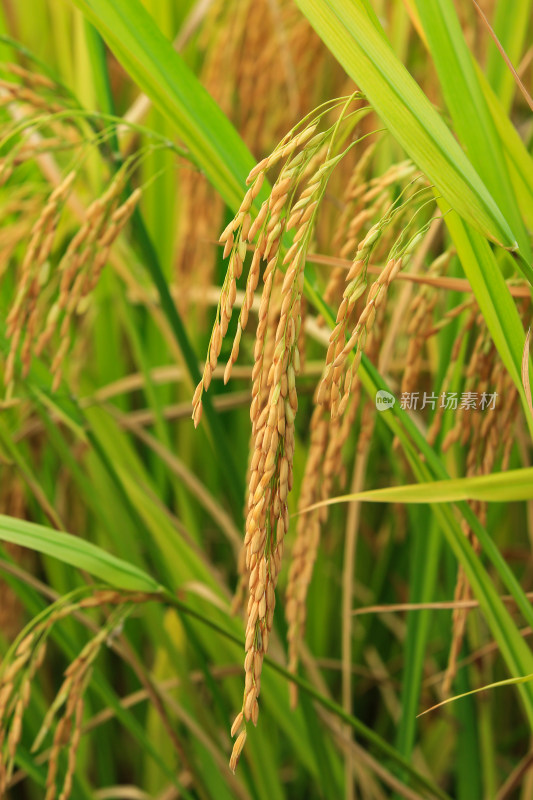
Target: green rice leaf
148,56
351,35
498,487
77,553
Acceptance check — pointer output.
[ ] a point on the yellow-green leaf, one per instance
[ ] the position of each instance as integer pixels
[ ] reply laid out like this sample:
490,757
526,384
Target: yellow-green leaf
349,32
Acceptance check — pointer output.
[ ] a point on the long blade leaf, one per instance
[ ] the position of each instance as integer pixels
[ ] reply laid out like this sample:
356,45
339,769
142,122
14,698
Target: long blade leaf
77,552
498,487
351,35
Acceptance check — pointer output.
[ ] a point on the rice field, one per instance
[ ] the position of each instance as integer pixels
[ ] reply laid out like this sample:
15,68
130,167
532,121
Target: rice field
266,482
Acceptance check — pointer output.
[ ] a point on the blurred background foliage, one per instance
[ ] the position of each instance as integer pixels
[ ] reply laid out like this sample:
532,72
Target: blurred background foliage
110,453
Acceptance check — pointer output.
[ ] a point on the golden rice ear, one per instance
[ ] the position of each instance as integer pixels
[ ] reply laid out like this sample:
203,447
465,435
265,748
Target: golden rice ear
18,674
274,397
237,750
306,160
32,321
486,437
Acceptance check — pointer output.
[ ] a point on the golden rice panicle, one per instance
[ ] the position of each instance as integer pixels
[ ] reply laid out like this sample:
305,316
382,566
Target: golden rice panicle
15,690
273,419
273,298
328,437
34,79
501,433
270,483
476,380
420,324
231,42
484,434
308,54
237,750
21,208
233,238
260,393
200,208
268,226
21,319
271,93
18,672
351,199
199,214
463,334
307,538
67,733
239,596
71,694
81,266
376,296
334,288
461,593
274,398
246,46
329,389
28,96
368,201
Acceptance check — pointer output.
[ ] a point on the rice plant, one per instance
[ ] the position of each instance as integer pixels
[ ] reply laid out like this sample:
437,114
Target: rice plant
265,431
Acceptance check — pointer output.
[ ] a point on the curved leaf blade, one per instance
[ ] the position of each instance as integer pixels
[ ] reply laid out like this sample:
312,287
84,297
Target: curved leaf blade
503,487
77,553
346,28
465,98
148,56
